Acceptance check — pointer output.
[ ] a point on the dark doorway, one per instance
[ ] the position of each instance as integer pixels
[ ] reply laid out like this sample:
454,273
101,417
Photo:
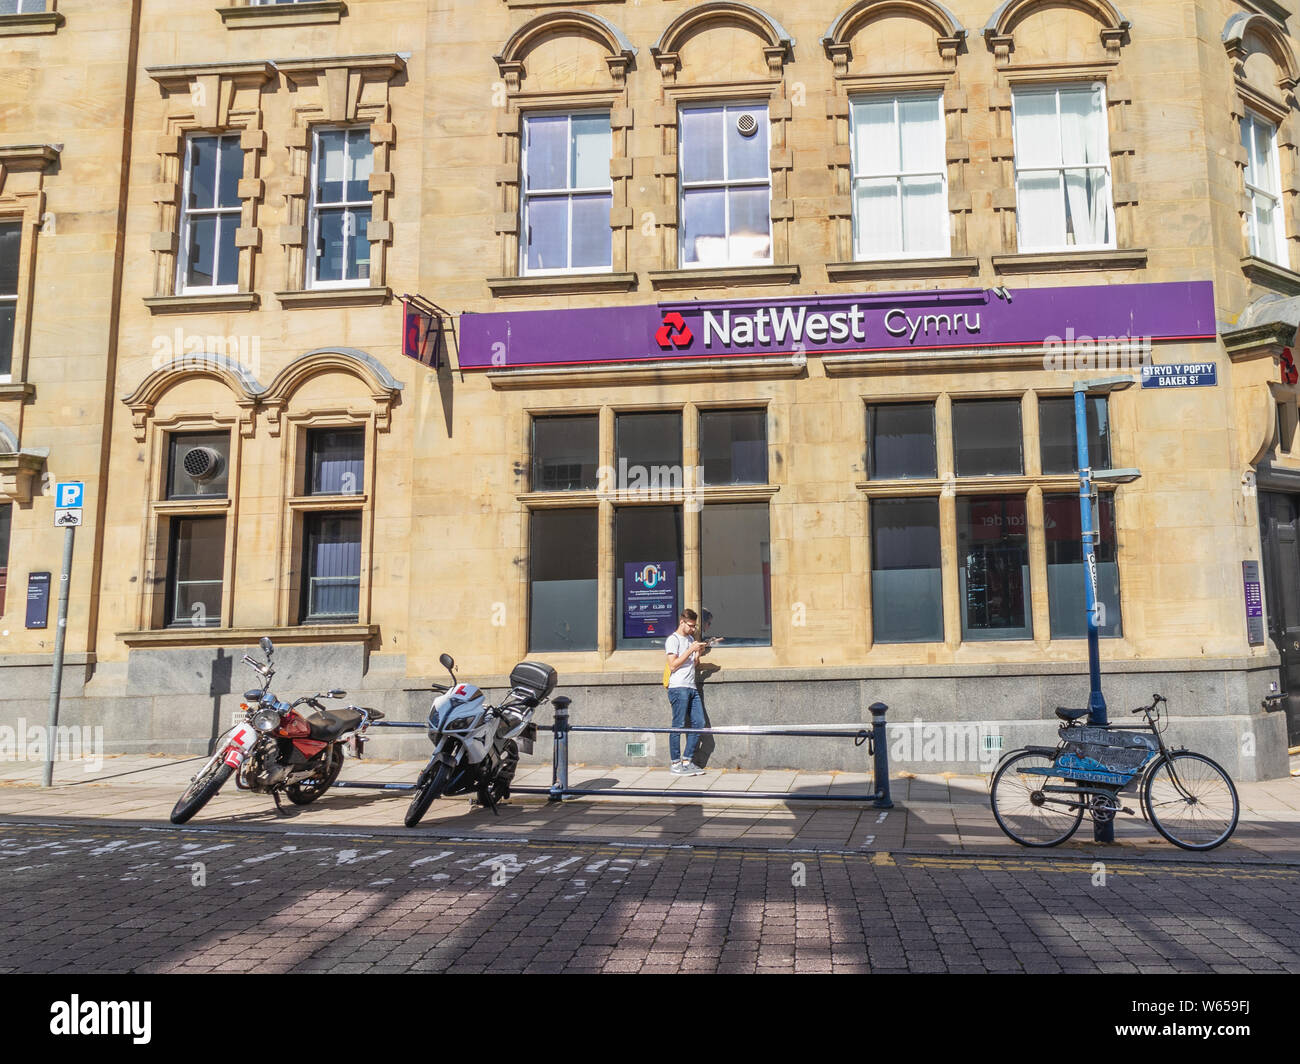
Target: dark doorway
1279,526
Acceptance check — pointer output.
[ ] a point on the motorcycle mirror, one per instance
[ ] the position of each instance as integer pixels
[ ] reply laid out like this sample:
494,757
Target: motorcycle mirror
447,662
336,693
266,645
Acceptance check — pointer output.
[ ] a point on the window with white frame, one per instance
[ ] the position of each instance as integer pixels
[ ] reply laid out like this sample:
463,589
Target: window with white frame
1265,221
339,212
1063,182
726,186
11,237
900,177
567,193
209,259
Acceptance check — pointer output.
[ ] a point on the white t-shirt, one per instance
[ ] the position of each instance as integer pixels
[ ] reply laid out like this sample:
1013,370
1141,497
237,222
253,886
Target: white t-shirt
684,675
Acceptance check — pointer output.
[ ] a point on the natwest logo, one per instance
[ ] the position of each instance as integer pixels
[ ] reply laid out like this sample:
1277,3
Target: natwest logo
674,332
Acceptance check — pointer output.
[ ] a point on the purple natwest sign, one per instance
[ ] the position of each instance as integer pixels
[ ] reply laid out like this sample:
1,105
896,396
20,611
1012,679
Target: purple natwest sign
882,321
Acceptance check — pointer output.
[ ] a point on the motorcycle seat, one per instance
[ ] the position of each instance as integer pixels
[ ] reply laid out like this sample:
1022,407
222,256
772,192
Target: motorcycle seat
331,723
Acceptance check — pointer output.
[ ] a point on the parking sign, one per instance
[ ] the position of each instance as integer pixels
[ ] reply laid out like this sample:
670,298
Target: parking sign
68,494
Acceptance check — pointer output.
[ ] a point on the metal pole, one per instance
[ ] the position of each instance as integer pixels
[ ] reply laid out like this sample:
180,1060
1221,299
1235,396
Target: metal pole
881,748
560,755
1101,831
60,635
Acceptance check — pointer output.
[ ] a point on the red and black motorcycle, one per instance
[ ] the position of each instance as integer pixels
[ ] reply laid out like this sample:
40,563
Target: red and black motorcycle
277,748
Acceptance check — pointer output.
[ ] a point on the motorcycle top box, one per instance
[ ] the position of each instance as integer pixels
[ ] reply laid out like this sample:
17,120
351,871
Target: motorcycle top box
535,679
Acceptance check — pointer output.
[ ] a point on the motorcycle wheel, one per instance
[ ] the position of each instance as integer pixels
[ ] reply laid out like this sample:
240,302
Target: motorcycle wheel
308,791
432,785
201,790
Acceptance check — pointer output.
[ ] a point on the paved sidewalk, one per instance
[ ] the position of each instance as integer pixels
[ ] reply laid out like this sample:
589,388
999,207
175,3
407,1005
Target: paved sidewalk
931,814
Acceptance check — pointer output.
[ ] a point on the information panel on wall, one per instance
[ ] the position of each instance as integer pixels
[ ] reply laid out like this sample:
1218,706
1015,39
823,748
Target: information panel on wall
649,599
38,600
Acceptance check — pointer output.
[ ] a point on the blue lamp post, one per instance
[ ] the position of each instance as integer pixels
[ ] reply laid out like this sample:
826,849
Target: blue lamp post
1088,524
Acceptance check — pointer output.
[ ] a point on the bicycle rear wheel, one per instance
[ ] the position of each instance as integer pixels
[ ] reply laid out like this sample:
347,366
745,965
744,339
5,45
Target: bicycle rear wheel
1191,801
1024,811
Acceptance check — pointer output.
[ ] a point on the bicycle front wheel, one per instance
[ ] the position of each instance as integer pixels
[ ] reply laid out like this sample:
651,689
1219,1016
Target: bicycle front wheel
1191,801
1024,811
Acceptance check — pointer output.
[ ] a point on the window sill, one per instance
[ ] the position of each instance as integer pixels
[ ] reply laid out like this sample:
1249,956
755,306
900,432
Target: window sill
20,390
315,11
195,504
236,301
215,637
355,501
1270,275
561,284
30,24
552,500
335,297
724,276
1070,261
877,269
894,489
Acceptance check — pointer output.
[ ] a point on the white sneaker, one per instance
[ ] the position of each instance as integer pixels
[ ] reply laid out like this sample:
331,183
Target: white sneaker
678,768
690,768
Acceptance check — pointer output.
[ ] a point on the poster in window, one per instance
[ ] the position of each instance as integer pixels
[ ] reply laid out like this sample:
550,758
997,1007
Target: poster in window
649,599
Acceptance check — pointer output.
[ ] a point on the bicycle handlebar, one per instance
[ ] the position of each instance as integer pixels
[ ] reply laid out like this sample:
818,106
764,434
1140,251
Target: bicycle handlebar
1157,699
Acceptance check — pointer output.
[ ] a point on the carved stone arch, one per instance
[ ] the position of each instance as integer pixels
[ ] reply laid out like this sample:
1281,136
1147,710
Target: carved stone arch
246,389
570,92
620,55
778,45
999,31
8,439
1243,30
384,389
837,40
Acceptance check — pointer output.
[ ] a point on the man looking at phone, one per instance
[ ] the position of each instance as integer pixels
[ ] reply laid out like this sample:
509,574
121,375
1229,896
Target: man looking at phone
684,651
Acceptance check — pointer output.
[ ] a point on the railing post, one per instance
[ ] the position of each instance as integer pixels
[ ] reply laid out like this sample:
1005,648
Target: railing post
880,744
560,755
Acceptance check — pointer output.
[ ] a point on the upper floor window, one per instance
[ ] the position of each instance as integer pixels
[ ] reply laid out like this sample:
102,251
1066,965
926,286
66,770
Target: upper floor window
567,193
1063,184
11,235
1264,190
21,7
336,461
209,259
900,177
339,212
564,453
198,465
726,186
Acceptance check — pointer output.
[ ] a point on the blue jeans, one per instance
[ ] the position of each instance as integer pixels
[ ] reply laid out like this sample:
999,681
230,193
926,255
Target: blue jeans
688,712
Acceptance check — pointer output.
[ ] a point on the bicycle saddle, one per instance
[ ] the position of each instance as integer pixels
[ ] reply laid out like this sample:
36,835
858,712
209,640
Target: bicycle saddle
1070,714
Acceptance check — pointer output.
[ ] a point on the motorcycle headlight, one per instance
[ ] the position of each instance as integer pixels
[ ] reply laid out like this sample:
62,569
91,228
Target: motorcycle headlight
461,723
266,720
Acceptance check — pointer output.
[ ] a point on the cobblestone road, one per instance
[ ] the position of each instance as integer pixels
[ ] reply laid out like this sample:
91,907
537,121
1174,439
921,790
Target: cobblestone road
111,898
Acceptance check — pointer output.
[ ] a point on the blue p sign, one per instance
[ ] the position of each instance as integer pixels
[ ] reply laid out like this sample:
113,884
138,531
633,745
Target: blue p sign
68,495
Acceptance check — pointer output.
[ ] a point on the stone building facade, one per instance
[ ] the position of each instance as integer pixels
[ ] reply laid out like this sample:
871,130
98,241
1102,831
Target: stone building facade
725,369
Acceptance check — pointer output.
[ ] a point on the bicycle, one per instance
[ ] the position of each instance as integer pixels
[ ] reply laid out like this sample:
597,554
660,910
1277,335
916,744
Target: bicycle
1187,797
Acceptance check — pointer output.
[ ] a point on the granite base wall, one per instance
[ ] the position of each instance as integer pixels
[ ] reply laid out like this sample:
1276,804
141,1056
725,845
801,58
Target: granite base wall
941,719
